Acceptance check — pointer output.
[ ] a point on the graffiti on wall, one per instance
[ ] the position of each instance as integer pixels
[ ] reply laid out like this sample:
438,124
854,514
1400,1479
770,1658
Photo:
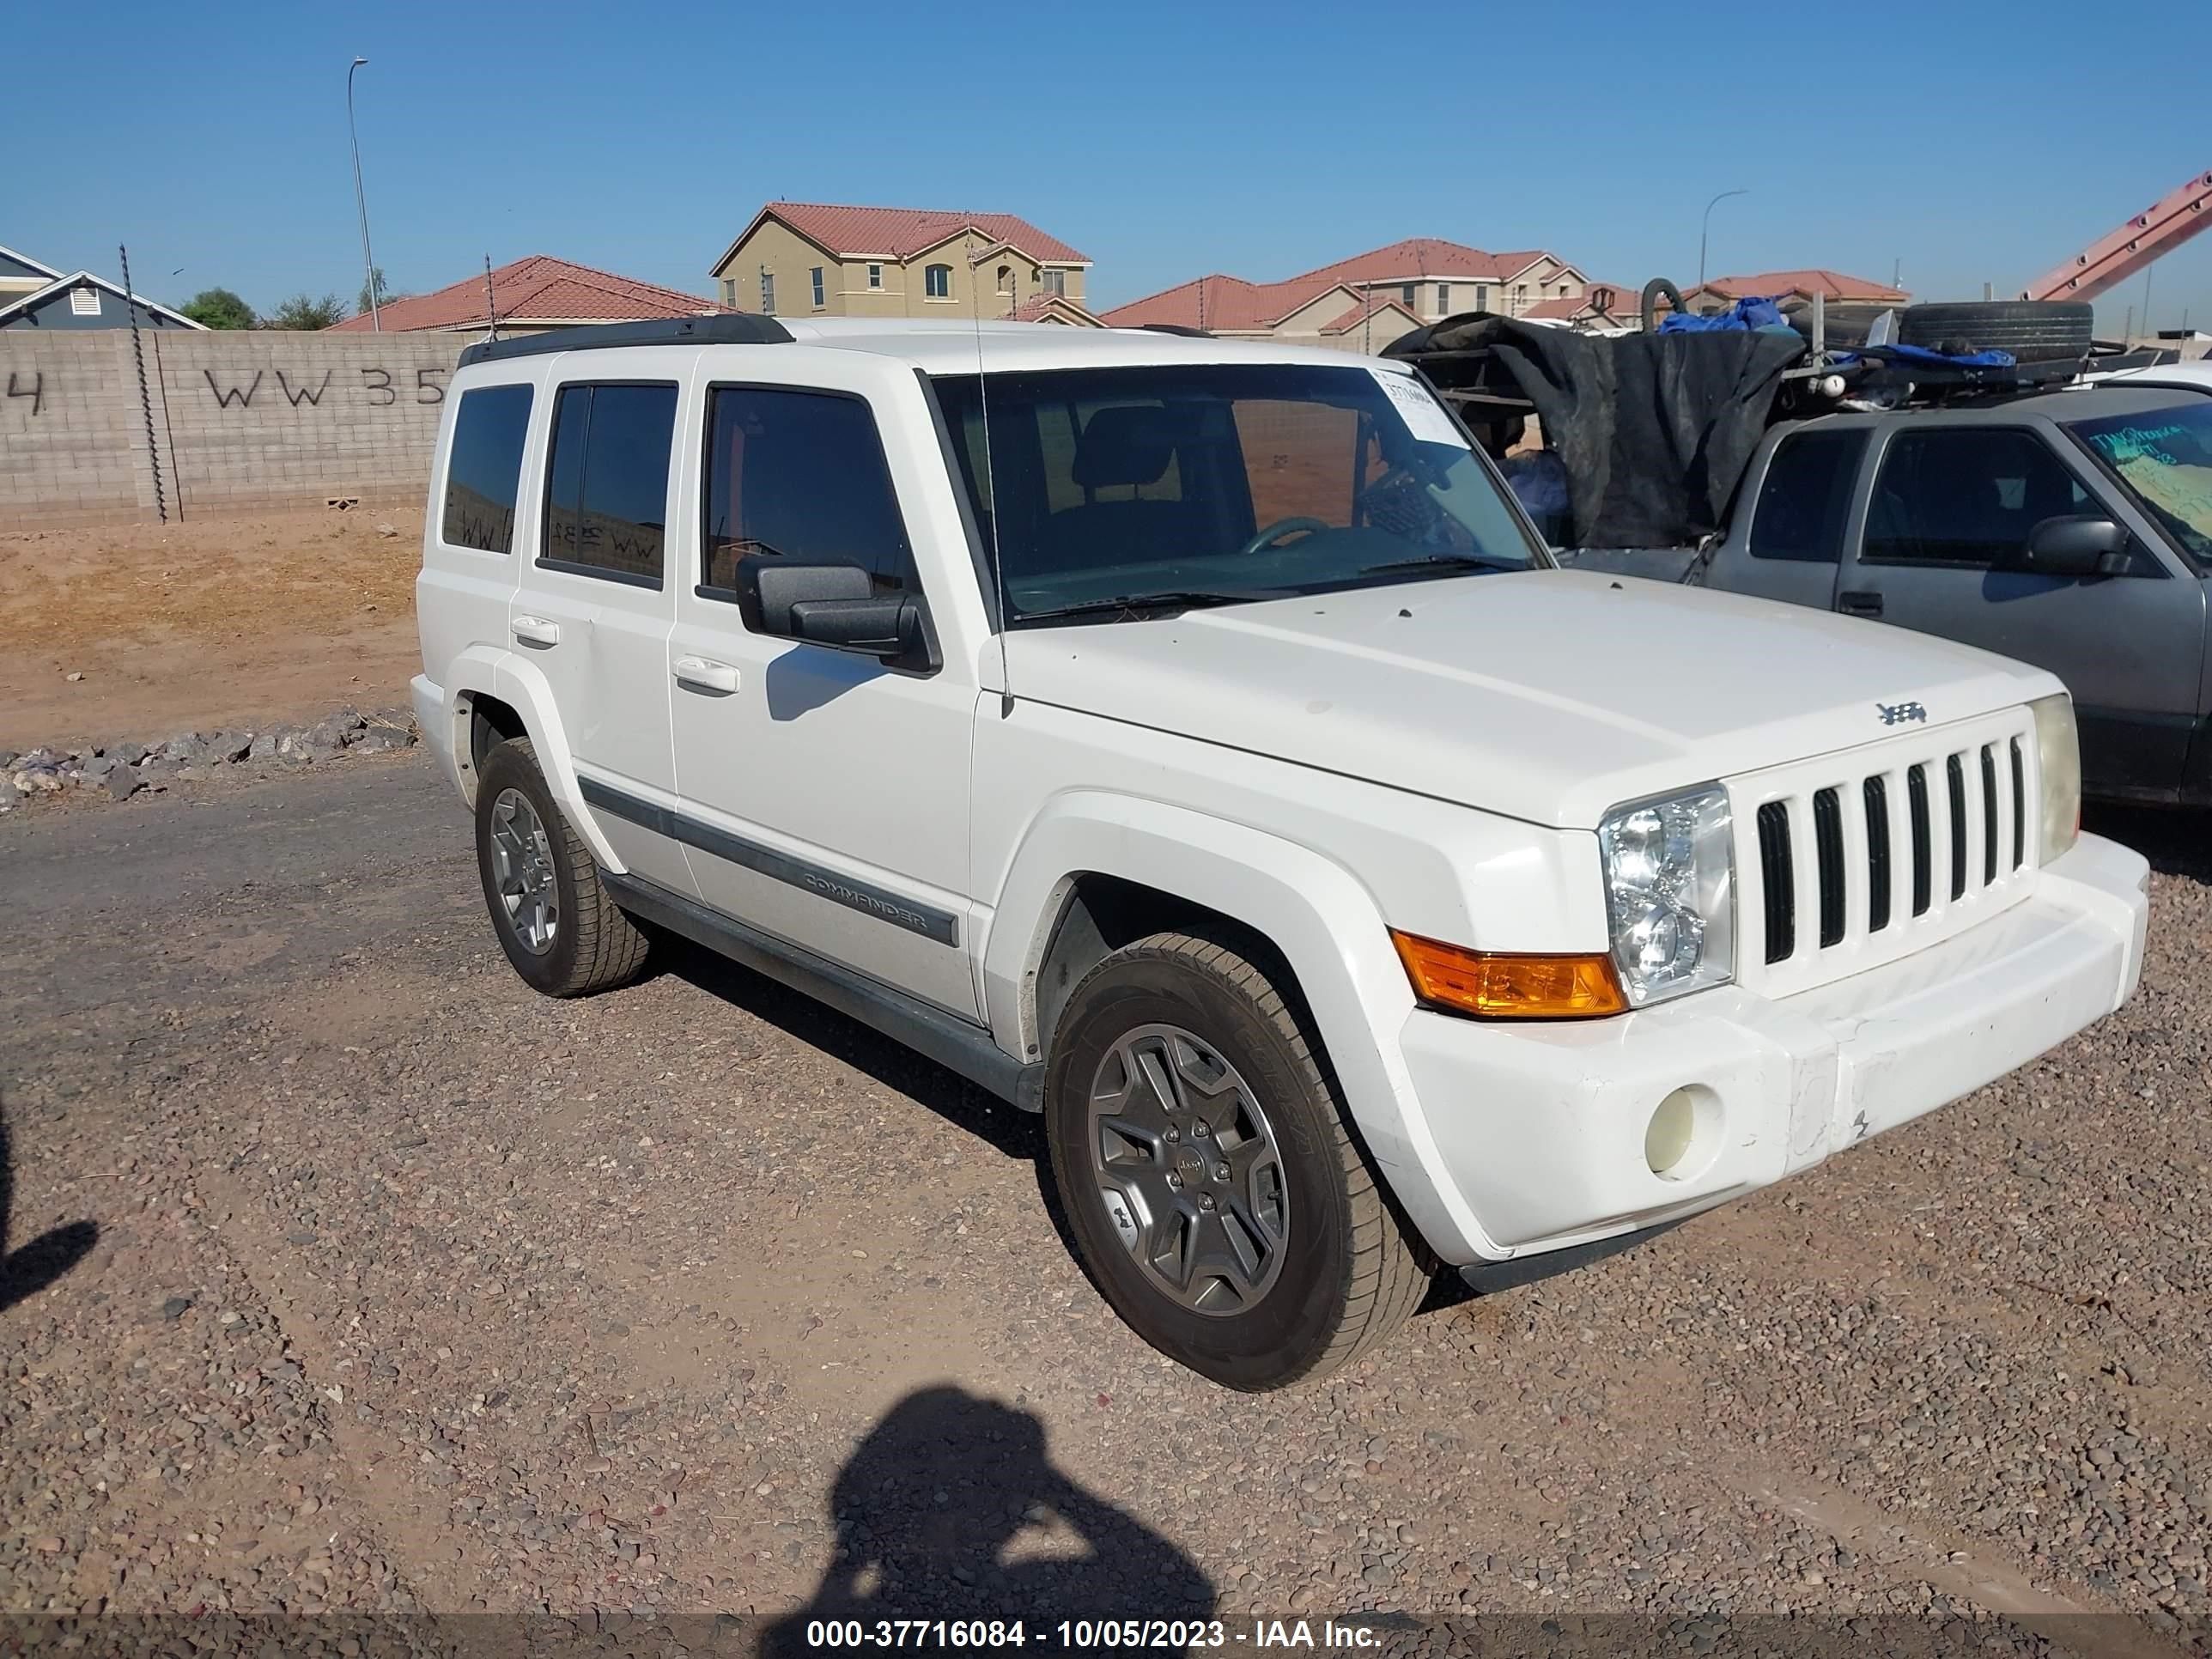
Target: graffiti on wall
377,388
36,391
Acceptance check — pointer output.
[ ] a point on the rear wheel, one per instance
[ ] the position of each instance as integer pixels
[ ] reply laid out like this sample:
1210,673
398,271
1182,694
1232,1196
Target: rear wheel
1209,1174
560,927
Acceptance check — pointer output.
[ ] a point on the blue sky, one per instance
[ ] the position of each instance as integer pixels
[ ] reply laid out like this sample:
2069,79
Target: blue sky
1961,141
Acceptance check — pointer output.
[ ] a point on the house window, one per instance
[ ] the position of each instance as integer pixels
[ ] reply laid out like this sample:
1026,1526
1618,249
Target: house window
815,274
1520,293
875,275
1005,279
1410,294
1056,282
1444,299
84,301
937,283
1563,290
730,292
1482,296
606,485
768,293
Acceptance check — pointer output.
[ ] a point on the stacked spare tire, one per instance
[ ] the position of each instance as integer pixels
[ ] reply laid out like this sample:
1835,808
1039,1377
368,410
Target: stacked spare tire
2032,330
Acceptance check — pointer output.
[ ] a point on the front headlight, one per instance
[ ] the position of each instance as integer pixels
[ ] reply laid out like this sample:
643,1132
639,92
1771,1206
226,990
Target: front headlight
1670,893
2059,760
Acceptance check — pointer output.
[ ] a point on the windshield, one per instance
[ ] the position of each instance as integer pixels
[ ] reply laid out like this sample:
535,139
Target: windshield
1133,489
2164,458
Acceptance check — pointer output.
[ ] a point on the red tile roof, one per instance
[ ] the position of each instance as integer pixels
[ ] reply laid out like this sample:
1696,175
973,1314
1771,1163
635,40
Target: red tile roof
1372,308
860,233
1040,307
1626,302
538,289
1235,304
1421,258
1766,284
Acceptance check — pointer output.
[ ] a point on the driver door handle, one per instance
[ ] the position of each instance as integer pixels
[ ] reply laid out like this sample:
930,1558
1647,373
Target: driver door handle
1860,603
705,674
537,631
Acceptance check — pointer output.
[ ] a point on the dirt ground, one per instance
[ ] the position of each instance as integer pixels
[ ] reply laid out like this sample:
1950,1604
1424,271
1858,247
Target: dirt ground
341,1275
207,623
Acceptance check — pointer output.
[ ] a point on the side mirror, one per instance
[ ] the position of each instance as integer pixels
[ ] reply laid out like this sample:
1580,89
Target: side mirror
836,606
2079,544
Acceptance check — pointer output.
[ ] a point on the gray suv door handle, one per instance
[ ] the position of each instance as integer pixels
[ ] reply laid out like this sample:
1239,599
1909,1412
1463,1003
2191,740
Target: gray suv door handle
705,674
1859,603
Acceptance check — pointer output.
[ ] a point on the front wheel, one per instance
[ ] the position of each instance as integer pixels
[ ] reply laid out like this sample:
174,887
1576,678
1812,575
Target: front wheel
1208,1172
559,925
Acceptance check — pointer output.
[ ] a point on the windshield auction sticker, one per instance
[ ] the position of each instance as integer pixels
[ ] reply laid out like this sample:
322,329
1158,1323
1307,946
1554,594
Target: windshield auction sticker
1424,417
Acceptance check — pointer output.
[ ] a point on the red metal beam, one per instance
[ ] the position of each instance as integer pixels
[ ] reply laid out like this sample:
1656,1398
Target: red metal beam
2112,258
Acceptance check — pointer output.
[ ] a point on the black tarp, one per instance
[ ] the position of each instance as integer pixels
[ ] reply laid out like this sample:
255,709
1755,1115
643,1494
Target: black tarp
1655,430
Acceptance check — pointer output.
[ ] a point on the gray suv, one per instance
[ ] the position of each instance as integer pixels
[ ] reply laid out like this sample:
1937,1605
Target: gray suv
2071,528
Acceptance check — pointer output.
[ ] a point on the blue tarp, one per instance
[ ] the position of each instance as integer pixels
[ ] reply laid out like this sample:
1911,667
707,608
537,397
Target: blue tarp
1930,356
1743,314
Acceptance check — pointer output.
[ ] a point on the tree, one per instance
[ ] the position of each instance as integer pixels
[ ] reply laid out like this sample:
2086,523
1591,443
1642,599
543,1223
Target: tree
385,296
218,307
304,311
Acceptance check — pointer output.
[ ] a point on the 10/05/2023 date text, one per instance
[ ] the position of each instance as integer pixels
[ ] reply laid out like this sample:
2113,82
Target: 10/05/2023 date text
1171,1635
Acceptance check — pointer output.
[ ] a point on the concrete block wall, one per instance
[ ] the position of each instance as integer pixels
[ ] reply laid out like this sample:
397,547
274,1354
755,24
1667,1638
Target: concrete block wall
241,421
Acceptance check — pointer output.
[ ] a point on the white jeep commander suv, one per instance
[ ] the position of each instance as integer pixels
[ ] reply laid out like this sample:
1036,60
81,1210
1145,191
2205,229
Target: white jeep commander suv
1192,741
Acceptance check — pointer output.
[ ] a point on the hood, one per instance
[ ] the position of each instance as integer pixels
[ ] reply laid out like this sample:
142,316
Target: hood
1549,695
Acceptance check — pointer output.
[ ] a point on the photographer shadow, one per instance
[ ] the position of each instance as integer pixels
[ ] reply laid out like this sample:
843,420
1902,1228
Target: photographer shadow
949,1509
30,1269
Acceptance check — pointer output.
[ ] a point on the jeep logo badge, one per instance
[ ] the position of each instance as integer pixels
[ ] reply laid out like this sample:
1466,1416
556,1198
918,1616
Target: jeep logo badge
1896,714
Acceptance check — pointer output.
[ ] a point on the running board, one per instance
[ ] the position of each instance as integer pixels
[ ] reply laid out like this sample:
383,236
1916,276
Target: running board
954,1043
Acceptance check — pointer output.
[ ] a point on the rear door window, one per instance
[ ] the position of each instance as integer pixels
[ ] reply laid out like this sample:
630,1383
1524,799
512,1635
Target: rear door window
606,482
1805,497
483,469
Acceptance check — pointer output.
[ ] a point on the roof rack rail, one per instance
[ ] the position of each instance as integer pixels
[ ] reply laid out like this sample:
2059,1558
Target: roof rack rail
740,328
1184,329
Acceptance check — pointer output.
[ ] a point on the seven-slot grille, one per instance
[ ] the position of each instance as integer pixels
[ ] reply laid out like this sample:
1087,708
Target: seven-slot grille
1864,857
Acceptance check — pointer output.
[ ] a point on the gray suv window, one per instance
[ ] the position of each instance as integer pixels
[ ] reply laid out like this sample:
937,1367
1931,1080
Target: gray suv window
1966,495
1806,497
483,472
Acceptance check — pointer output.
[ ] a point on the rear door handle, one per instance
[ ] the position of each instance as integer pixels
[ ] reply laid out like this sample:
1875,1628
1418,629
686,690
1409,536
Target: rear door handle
706,674
537,631
1860,604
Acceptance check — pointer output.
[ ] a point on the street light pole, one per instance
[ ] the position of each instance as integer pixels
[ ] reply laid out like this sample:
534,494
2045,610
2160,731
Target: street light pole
1705,224
361,205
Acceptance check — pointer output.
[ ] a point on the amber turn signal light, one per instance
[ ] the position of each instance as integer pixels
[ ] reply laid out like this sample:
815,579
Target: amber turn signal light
1497,985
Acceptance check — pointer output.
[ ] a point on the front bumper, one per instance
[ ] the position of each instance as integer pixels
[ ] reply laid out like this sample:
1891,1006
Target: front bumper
1541,1129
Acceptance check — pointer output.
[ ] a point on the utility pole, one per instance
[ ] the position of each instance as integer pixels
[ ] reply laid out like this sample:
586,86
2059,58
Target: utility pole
361,206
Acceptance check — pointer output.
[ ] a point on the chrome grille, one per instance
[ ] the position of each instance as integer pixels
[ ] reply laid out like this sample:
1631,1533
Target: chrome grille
1860,857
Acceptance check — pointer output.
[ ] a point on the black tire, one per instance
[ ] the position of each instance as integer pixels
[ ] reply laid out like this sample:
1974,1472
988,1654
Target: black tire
1349,1273
594,946
1656,290
2033,330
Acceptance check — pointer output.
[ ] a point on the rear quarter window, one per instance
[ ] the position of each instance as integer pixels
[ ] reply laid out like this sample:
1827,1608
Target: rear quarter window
1806,496
483,472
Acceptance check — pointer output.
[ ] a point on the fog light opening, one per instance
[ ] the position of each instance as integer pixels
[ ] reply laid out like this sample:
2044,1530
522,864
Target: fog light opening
1683,1130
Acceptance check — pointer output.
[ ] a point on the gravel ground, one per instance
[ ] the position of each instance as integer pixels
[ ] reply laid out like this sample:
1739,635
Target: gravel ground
348,1278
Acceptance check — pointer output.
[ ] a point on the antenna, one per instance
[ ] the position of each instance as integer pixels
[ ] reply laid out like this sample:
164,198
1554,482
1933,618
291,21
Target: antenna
990,494
491,301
